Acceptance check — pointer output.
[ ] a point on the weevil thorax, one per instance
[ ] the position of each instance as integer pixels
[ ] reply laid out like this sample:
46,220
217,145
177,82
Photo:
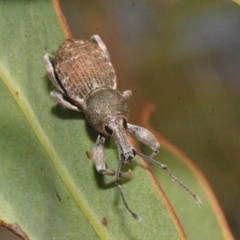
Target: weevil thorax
107,111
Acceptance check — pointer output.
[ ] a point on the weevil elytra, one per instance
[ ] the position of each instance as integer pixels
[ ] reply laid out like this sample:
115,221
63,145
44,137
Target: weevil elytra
86,82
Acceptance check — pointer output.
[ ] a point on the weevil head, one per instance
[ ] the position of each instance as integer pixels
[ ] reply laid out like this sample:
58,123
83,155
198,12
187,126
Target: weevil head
106,110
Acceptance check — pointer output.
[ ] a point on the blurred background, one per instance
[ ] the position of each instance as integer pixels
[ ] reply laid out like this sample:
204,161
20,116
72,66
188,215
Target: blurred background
184,57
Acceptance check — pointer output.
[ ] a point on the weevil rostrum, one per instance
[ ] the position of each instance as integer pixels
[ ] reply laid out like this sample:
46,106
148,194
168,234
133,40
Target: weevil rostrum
84,76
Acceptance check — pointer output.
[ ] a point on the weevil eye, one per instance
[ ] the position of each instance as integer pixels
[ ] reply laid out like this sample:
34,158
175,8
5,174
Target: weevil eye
108,130
124,123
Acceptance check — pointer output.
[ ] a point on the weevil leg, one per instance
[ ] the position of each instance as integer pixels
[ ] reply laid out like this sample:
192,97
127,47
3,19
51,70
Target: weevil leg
127,94
100,43
149,139
146,137
50,71
99,159
59,98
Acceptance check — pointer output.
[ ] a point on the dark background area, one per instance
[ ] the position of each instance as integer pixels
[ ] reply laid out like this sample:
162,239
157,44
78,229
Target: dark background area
183,57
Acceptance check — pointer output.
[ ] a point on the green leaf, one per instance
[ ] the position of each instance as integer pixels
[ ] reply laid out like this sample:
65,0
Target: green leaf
49,187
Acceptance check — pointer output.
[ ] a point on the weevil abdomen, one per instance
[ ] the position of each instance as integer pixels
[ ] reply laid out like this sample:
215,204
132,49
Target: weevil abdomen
82,66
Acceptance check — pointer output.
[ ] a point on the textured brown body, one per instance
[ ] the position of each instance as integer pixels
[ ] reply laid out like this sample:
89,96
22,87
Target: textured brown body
81,67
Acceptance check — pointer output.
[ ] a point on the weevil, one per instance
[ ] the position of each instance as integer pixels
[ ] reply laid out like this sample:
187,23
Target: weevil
83,74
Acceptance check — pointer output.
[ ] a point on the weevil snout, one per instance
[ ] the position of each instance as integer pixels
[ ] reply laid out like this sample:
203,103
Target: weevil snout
118,127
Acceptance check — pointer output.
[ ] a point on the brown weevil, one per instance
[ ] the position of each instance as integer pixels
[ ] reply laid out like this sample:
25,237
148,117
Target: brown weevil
86,82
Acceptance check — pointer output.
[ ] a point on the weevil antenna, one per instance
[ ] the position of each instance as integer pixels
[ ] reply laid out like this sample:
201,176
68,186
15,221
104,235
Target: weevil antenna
125,203
116,180
174,178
